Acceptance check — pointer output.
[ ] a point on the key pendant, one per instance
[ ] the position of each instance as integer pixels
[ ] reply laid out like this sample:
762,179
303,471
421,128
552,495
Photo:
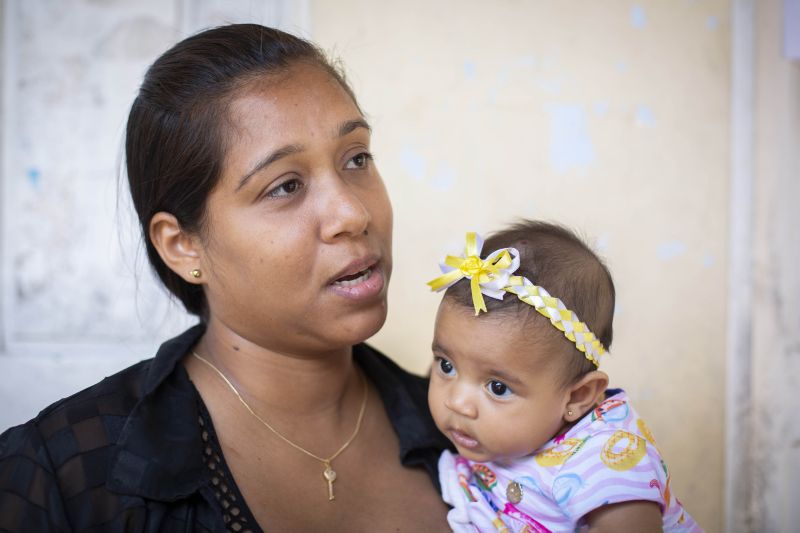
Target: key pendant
330,475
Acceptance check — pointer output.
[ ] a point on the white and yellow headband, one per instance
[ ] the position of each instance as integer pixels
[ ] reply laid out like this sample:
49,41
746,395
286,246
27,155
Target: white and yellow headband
493,277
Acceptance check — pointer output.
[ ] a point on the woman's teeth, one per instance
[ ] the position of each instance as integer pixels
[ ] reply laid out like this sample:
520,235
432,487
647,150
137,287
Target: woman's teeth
361,277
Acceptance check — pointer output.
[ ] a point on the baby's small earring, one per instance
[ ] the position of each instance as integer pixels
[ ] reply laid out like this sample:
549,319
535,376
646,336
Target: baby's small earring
569,412
195,273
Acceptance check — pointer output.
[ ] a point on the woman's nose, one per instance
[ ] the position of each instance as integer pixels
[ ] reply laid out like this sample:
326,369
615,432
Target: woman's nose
462,402
344,210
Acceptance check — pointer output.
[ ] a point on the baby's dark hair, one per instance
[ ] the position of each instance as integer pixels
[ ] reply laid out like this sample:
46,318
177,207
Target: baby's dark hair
555,258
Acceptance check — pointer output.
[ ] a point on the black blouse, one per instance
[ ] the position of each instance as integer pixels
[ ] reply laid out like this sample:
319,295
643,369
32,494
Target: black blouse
132,453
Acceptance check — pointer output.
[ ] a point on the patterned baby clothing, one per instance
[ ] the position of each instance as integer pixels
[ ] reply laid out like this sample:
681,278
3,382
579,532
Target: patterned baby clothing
607,457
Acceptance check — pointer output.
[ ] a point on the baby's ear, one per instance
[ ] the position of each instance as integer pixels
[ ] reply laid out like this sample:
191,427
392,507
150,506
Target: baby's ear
584,394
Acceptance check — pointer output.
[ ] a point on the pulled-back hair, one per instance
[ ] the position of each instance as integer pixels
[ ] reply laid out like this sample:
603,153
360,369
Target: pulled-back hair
175,142
553,257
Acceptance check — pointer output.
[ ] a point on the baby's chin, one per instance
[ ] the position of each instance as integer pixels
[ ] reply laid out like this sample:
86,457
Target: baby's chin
474,455
486,456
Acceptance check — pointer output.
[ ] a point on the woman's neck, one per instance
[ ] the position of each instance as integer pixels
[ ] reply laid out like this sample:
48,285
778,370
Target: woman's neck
280,381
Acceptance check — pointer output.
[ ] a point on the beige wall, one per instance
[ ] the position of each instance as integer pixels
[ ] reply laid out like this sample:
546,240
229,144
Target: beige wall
775,446
610,117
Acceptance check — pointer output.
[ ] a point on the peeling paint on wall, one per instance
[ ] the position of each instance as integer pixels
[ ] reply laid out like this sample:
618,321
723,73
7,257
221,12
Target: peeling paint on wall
638,17
550,87
601,108
570,144
444,178
34,176
669,250
645,117
413,163
470,69
602,242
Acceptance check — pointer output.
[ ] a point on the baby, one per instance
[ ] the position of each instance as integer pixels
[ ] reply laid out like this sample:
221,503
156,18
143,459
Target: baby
543,446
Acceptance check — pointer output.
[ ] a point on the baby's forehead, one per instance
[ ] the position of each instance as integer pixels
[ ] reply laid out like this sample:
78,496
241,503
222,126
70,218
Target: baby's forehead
511,340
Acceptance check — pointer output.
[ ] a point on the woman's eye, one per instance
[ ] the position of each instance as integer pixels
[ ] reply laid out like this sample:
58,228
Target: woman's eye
359,160
445,366
287,188
498,388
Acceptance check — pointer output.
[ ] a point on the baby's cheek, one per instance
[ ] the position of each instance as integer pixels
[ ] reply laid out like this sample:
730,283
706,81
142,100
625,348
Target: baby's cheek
435,403
509,438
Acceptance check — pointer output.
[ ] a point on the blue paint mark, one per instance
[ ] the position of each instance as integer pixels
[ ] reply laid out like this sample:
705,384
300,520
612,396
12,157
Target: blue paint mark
671,249
445,178
708,260
712,23
602,243
570,144
601,108
470,70
502,81
638,17
622,66
413,163
34,176
645,116
551,87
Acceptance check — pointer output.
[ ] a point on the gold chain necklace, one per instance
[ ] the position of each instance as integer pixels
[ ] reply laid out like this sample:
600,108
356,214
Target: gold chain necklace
329,473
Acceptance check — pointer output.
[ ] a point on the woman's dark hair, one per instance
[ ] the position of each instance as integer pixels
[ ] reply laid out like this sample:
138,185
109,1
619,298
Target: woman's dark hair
175,141
552,257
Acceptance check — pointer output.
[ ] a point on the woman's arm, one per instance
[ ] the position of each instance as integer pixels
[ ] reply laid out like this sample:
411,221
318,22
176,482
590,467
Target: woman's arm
634,516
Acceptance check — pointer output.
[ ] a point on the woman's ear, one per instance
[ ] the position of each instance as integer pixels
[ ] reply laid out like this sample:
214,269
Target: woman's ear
584,394
179,250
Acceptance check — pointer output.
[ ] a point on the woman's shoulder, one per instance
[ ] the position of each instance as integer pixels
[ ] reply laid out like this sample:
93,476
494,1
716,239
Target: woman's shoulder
52,467
55,454
114,396
94,417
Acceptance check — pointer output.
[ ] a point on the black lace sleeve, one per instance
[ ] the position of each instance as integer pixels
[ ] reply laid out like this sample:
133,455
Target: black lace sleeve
30,498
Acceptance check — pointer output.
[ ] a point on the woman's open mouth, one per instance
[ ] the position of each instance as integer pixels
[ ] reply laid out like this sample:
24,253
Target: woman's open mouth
354,279
365,283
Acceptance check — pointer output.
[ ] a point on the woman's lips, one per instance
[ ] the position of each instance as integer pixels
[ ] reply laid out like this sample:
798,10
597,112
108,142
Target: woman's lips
360,285
463,440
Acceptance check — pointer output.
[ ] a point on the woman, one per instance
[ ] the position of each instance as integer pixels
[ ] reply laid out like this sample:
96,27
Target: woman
249,166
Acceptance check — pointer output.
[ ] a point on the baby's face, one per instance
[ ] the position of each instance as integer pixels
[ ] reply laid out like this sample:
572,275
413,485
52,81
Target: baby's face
492,393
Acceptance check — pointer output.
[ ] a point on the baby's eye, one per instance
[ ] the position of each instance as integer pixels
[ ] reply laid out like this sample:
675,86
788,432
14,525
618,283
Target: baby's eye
287,188
445,366
499,389
359,160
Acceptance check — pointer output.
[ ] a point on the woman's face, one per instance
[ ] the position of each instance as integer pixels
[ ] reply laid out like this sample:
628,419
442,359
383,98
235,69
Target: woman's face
298,242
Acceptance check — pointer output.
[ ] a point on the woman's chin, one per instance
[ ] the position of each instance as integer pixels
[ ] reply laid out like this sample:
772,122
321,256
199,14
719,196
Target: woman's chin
358,326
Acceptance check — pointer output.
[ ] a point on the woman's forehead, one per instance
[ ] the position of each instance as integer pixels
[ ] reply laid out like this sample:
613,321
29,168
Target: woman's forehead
304,94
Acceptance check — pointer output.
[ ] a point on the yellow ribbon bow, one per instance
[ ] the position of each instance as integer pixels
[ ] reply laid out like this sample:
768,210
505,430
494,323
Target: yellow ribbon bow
472,267
492,276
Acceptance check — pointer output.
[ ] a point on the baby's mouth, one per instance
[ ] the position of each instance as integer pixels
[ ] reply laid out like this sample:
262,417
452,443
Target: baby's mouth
463,440
354,279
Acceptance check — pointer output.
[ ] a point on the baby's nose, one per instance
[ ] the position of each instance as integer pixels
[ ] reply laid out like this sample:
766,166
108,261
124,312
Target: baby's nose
462,403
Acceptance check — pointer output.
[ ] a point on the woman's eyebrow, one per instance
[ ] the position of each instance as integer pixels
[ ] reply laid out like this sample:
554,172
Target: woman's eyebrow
352,125
344,129
268,160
